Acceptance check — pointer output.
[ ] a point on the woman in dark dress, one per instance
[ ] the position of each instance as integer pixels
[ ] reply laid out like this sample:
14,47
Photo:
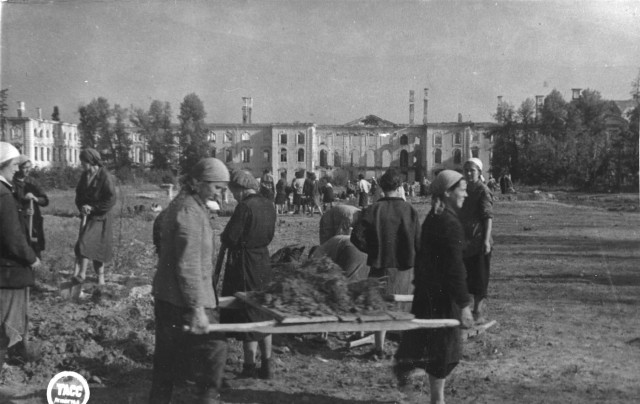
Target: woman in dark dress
30,198
246,238
440,289
95,197
281,193
477,219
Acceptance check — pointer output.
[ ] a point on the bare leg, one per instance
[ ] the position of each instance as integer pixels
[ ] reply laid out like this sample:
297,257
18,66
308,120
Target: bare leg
436,389
265,347
250,351
99,268
266,368
479,314
80,269
379,337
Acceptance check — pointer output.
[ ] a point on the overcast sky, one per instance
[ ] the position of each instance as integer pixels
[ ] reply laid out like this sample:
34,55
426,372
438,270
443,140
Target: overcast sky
327,62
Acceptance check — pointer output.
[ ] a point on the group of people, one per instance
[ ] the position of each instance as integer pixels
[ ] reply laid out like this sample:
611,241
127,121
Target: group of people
22,238
303,195
186,284
444,263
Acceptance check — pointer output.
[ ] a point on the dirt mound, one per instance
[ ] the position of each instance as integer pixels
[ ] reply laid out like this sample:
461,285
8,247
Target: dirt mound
318,287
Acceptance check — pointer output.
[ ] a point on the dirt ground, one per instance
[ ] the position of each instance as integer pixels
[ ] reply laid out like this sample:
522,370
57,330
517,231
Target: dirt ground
565,292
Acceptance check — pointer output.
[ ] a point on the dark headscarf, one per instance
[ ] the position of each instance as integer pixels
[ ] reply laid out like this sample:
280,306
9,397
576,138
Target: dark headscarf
91,156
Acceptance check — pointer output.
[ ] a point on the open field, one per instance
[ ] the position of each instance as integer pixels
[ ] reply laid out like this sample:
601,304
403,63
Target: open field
565,292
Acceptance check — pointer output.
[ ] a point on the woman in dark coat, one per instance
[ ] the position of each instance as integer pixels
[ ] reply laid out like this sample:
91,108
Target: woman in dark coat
17,259
95,197
246,238
389,233
26,193
440,289
281,193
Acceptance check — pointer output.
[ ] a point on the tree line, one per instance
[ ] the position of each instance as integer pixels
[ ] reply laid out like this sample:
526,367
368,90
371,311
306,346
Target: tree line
106,129
587,142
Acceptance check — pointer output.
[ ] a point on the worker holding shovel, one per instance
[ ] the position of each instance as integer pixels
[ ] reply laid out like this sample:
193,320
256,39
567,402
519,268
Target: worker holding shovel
95,197
30,198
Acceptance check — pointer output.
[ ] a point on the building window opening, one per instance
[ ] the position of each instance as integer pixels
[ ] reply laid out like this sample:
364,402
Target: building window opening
457,156
404,140
475,152
457,138
266,155
323,158
283,155
283,138
229,156
404,159
300,138
438,156
438,139
300,155
246,155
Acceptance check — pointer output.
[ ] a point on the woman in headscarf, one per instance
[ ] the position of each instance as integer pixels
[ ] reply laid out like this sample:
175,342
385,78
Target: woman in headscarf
339,247
17,258
95,197
183,288
440,289
30,198
246,238
477,219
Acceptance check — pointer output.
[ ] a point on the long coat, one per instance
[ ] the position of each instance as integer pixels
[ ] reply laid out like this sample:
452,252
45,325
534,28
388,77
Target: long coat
247,237
440,293
20,189
16,255
96,238
184,239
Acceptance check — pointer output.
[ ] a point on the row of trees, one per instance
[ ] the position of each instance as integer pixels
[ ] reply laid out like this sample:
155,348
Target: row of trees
587,142
106,128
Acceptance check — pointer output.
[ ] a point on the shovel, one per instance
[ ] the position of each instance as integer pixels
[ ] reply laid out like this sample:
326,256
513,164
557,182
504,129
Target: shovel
70,290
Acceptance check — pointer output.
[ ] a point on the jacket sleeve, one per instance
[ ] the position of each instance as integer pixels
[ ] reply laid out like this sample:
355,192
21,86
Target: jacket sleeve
359,232
79,190
232,235
13,240
40,194
188,253
456,278
106,196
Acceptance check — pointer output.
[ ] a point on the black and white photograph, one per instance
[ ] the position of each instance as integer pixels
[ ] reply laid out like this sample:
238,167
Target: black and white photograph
319,201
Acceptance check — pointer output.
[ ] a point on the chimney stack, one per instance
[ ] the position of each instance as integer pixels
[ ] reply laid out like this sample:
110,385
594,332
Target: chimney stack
539,105
39,113
459,117
21,109
246,110
499,101
411,106
575,93
426,104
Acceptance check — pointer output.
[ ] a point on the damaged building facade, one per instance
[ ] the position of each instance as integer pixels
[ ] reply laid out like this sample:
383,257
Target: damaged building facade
368,146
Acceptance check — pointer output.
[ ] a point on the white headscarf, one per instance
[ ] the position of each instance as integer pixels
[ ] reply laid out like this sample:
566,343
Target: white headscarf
8,152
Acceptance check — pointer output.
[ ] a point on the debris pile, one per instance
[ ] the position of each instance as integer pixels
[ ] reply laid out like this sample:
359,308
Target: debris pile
318,287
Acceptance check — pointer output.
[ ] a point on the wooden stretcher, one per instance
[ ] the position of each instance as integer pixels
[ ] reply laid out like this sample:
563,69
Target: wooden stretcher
284,323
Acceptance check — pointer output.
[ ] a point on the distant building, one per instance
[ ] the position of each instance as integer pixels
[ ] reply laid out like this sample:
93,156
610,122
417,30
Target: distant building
368,146
50,143
46,142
